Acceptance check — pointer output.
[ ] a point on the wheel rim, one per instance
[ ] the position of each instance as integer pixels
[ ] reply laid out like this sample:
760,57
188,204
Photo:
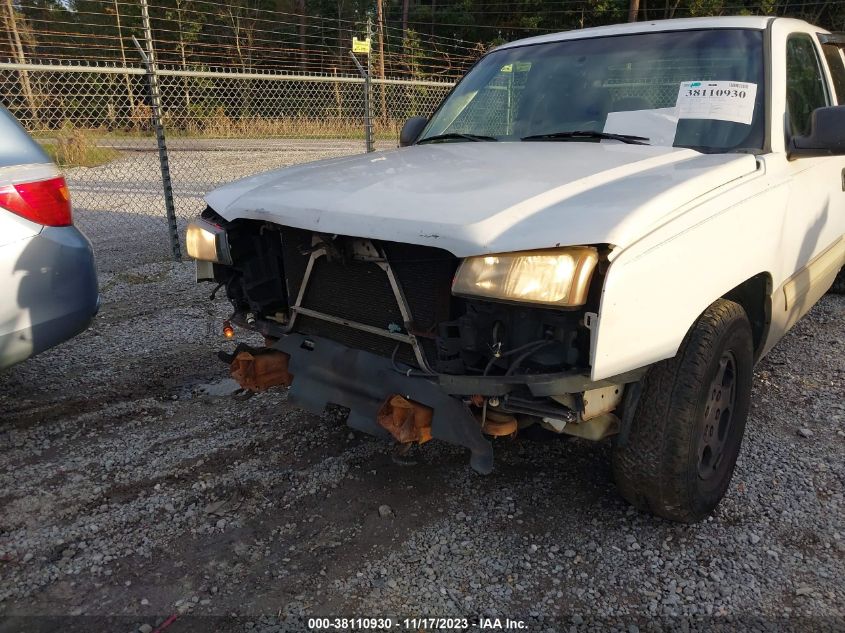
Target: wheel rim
718,417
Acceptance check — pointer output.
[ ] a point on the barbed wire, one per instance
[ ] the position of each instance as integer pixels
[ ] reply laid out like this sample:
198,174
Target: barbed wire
258,38
159,29
278,43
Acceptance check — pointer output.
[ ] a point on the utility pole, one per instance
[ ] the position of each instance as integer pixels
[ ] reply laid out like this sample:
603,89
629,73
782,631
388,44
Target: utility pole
21,59
433,7
380,19
405,4
633,10
300,7
129,94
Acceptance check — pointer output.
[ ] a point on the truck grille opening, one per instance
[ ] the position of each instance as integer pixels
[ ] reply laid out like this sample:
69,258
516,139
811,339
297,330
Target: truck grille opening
360,291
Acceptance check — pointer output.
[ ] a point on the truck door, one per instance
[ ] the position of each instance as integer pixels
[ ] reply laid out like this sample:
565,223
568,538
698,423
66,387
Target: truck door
813,245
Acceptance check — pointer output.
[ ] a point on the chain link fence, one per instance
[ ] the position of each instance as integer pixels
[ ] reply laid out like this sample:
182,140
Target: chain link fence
97,123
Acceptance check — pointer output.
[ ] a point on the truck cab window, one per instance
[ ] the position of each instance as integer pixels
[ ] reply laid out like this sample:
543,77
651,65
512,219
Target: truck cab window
805,87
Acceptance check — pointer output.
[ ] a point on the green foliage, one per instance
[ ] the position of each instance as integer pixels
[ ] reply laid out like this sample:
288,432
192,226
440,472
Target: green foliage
443,37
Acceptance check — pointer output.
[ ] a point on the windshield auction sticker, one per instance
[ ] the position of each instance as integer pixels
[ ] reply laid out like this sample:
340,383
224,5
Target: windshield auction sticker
719,100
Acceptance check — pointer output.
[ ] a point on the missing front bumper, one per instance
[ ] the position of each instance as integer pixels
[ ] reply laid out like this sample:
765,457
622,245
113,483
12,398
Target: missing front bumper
327,372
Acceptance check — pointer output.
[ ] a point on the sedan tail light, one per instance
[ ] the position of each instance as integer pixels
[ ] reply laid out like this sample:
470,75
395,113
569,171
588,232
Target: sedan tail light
44,202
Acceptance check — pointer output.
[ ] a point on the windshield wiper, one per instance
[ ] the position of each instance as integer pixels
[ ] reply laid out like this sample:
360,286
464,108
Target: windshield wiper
456,136
579,134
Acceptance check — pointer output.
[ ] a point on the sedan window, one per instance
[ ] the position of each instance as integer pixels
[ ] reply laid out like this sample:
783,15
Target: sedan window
17,148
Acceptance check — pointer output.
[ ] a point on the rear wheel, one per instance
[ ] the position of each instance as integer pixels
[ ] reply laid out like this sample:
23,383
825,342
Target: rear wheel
687,429
838,287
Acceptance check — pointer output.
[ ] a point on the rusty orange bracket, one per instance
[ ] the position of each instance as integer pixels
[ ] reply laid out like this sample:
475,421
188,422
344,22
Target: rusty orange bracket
261,370
406,420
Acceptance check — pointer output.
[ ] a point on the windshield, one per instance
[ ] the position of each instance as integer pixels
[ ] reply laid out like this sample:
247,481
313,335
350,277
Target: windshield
699,89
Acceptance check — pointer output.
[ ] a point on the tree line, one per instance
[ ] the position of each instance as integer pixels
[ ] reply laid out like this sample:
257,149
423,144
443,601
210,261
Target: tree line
416,38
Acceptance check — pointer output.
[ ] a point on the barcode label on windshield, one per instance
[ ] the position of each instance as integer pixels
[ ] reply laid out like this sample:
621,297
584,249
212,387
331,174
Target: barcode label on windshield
719,100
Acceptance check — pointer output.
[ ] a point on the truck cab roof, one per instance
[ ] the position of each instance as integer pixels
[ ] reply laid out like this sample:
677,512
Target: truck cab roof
681,24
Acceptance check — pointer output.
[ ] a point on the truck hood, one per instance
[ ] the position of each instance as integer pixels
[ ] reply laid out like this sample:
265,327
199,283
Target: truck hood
475,198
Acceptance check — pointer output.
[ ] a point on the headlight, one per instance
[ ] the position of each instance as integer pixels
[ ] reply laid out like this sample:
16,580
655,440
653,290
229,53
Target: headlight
207,242
554,277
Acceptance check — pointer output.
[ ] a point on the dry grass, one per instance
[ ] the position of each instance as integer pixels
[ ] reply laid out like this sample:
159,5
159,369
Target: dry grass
74,147
219,125
71,146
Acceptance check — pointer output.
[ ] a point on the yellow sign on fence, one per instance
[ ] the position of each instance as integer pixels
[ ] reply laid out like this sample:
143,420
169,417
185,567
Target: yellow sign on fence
361,46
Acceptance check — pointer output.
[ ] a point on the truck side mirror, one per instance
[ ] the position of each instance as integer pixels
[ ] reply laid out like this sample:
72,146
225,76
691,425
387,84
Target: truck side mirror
826,137
411,130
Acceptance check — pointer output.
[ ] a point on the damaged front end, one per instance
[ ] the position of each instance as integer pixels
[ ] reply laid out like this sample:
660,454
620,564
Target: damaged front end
394,333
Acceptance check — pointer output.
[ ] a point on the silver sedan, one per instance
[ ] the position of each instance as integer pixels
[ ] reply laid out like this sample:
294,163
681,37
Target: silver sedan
48,279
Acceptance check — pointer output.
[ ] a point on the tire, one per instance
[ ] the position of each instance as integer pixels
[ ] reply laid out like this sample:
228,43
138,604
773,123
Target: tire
679,457
838,287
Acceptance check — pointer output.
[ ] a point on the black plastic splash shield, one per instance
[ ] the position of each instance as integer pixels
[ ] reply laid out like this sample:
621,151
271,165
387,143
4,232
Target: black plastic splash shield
328,372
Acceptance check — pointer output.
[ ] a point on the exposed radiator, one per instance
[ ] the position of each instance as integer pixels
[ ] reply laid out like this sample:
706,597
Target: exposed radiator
361,292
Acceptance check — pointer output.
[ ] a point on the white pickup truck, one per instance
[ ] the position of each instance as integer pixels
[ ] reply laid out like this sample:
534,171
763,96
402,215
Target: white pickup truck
597,232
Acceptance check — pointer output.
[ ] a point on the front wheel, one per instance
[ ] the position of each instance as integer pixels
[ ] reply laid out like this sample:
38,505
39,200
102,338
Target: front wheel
686,432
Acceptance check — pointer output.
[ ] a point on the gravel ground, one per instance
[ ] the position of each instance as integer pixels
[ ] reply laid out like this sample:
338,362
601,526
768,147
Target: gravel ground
133,486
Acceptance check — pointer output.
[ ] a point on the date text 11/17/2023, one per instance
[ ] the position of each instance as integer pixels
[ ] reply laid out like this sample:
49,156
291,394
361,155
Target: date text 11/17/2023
416,624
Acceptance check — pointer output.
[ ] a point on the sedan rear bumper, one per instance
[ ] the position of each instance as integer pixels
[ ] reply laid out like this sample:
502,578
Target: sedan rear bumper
52,290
